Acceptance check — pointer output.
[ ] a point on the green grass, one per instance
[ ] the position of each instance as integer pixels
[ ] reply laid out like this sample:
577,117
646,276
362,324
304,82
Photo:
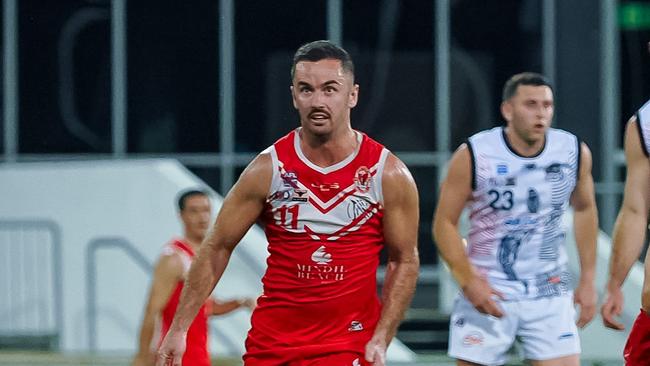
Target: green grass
35,358
20,358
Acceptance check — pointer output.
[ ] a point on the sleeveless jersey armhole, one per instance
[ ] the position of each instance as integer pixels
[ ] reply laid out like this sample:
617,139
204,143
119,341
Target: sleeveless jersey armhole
579,157
639,126
380,175
473,163
275,162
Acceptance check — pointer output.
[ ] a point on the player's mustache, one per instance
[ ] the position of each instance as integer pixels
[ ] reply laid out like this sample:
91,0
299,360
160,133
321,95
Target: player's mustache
318,110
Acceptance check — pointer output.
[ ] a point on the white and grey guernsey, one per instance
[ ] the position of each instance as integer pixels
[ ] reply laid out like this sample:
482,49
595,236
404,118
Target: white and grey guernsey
643,123
516,237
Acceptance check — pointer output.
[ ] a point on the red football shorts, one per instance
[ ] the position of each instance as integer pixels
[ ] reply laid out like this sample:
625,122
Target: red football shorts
637,348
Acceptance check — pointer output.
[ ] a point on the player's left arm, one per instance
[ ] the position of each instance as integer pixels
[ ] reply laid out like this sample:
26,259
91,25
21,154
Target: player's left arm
400,226
218,307
585,222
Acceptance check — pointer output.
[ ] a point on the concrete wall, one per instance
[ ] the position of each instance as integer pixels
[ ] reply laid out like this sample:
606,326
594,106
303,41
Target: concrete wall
133,200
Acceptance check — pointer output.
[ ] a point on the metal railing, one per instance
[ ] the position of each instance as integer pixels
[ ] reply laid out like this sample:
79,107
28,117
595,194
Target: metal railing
91,277
31,312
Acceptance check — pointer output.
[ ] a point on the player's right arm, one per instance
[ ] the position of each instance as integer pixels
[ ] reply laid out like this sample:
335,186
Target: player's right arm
455,192
630,226
167,274
241,208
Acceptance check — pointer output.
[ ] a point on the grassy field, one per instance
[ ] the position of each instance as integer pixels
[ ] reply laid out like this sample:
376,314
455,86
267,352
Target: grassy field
55,359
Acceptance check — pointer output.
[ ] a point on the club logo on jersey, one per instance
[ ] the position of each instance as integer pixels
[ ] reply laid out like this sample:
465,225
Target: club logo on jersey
355,326
320,256
356,362
362,179
502,169
473,339
300,195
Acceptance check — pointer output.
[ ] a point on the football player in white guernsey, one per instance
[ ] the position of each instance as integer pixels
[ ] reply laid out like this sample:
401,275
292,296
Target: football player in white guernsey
629,237
517,181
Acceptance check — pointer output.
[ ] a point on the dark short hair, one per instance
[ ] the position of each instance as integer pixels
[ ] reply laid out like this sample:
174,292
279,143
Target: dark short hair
184,195
321,50
524,78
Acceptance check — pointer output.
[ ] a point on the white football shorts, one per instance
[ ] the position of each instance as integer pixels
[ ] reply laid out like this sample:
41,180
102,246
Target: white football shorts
545,327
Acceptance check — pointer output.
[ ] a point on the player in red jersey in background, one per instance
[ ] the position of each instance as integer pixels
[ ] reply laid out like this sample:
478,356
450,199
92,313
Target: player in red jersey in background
330,198
628,239
170,272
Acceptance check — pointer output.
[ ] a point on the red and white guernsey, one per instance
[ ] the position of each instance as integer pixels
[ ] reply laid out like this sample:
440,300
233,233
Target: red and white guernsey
324,228
196,353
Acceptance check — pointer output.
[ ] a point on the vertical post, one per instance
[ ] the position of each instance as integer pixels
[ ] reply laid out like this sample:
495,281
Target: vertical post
118,77
91,297
548,39
335,21
609,97
10,78
227,92
442,55
57,268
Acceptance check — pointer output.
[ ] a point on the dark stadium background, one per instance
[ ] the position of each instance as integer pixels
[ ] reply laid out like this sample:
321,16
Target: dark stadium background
173,79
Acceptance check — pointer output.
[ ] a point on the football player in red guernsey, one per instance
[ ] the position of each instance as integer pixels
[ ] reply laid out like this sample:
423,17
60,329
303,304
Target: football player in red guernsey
195,211
330,198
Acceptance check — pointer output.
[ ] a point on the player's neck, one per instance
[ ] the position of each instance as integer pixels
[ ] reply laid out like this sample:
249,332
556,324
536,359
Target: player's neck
521,146
193,241
328,150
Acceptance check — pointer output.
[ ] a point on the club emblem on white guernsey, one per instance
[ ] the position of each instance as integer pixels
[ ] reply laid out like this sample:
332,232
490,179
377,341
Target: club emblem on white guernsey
320,256
362,179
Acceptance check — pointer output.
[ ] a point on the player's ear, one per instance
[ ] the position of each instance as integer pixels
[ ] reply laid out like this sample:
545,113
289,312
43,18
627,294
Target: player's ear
293,97
506,110
353,98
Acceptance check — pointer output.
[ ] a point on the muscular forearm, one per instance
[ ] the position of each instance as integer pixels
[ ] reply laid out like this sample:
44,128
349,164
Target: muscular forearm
628,239
399,286
586,232
205,272
451,248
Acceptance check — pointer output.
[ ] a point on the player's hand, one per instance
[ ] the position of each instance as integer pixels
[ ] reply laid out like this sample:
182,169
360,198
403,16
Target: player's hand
612,307
481,295
248,302
585,296
171,349
144,359
376,350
